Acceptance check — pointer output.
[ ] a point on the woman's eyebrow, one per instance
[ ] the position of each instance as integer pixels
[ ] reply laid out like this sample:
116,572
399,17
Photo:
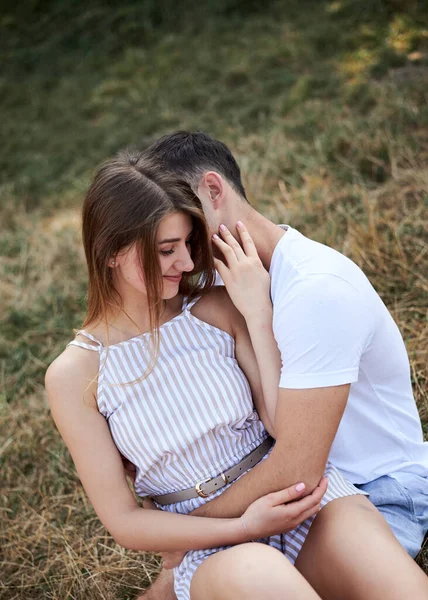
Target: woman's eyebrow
173,240
169,241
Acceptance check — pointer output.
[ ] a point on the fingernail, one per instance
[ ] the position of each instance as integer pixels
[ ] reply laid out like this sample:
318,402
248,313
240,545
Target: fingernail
300,487
223,227
240,224
215,237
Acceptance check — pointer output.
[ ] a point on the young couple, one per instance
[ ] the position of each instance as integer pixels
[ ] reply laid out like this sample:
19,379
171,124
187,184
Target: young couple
169,371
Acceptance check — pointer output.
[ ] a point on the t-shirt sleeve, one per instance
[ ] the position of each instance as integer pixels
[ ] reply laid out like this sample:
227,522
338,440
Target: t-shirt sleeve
322,326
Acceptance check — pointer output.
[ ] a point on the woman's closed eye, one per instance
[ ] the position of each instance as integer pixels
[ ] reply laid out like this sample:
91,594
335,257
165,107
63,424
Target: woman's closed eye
172,250
167,252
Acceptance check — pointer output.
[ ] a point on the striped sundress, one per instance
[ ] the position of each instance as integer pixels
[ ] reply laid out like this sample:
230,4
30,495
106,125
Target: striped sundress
191,418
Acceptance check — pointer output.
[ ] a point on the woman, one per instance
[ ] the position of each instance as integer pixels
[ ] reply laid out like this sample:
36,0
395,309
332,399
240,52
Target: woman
169,380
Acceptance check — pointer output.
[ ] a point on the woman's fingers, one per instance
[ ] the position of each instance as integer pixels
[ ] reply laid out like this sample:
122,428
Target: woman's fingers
287,495
323,485
231,248
314,498
230,240
282,511
320,490
292,493
227,251
222,269
300,510
246,239
248,247
301,507
314,510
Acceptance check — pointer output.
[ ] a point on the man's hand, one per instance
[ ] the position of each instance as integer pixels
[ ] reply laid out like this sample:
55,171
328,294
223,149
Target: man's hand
130,468
148,503
172,559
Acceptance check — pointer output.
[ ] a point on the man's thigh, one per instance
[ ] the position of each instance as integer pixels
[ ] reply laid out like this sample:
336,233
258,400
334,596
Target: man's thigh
405,512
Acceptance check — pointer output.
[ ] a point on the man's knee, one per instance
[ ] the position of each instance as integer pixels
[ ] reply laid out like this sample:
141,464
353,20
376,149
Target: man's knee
334,526
340,510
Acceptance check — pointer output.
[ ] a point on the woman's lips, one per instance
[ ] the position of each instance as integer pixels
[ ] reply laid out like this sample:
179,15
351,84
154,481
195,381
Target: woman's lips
173,278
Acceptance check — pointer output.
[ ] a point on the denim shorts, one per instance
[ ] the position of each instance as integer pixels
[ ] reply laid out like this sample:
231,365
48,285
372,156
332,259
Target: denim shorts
405,511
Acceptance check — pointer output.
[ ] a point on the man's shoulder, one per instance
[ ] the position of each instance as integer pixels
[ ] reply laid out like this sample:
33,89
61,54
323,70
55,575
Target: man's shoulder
319,285
303,265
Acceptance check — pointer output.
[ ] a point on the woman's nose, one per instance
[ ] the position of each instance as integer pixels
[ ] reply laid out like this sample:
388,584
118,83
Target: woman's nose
185,260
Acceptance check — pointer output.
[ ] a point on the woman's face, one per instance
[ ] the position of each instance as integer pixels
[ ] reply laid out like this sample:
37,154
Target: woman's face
173,245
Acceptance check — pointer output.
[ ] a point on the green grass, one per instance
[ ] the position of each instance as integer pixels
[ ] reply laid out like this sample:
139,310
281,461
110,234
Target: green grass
325,106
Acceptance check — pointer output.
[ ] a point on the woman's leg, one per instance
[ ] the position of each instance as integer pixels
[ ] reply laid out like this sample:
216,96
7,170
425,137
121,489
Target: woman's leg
351,553
251,571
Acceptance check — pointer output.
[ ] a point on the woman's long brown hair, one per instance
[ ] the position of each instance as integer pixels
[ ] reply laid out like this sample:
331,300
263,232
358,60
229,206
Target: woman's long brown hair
124,205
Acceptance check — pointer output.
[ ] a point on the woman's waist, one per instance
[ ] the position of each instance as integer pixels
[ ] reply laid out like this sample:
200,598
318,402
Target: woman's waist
200,462
188,506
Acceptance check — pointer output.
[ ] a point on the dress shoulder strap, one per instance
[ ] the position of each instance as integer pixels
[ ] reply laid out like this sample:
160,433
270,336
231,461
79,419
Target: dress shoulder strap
81,344
187,304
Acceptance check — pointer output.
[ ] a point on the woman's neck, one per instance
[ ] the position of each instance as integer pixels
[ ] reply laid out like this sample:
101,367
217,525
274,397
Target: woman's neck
132,319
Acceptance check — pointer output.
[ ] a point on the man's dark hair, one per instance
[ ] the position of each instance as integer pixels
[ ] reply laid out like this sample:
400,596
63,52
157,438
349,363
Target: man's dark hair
191,154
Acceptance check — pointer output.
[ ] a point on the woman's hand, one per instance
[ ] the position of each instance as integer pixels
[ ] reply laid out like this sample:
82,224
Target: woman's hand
274,513
280,512
246,280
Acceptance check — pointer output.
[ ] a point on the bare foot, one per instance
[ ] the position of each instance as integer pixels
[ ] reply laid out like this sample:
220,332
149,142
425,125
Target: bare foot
162,589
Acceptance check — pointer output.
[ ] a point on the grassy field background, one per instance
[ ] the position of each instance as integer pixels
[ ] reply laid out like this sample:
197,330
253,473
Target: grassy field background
325,105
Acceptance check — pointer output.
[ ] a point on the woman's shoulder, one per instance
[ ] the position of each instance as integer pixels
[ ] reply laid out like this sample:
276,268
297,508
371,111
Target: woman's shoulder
72,371
217,309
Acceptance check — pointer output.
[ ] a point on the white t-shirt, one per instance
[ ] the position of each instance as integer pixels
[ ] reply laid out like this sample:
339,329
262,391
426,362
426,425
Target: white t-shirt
332,328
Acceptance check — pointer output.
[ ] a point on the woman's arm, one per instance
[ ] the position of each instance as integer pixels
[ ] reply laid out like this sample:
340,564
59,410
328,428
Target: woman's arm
71,387
248,284
256,352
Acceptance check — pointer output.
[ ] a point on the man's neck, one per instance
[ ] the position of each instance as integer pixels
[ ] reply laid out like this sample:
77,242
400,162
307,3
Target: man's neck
264,233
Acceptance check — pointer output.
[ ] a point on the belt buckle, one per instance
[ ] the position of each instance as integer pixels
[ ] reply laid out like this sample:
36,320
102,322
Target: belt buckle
198,487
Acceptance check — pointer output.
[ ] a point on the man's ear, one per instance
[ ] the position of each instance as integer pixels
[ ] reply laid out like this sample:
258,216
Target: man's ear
213,186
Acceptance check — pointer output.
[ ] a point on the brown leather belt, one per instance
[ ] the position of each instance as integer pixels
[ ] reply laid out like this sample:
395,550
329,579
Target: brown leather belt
206,487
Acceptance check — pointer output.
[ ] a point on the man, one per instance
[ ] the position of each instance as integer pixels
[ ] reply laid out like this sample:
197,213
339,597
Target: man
345,391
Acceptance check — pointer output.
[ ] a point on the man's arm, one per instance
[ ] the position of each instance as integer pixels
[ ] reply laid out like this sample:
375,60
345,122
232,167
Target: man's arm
305,424
320,327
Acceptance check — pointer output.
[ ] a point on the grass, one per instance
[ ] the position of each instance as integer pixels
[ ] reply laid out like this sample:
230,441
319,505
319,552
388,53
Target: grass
325,106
